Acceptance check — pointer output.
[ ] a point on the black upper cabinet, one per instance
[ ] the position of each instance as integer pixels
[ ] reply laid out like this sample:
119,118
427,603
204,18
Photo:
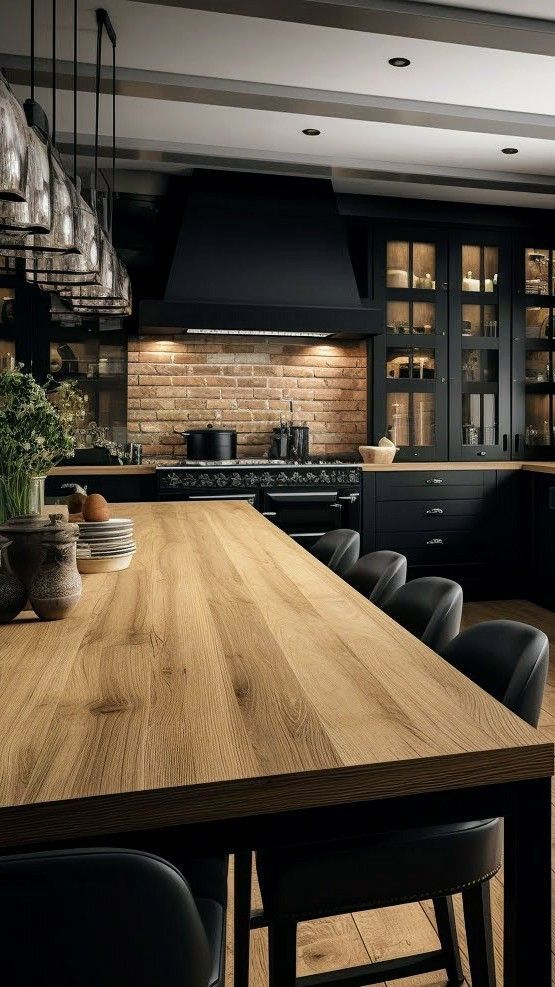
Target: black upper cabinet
480,345
534,347
410,358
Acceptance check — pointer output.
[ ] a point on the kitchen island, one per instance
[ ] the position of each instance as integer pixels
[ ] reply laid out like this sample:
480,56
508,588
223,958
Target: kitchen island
230,683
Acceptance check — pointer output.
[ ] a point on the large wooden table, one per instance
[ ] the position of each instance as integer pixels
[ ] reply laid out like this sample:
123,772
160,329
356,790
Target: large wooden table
230,683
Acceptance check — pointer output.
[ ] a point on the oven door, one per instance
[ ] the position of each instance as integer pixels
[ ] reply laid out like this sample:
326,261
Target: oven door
304,515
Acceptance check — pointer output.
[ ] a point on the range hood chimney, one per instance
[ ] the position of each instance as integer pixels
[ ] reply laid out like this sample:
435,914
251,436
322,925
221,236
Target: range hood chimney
261,253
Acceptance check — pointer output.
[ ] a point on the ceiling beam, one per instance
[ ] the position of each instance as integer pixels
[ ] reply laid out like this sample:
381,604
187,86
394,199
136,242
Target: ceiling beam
401,18
200,156
144,84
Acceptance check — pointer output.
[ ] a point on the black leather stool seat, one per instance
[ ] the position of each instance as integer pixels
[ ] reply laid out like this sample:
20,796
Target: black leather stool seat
338,549
391,868
378,575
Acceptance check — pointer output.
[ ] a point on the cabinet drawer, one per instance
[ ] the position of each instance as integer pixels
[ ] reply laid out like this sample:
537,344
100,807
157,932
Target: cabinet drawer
429,547
420,485
430,515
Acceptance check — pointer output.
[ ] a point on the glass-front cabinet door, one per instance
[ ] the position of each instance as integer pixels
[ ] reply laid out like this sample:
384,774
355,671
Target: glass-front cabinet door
480,346
534,353
410,359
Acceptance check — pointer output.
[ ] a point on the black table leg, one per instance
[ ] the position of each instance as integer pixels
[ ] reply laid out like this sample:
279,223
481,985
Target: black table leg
242,878
527,862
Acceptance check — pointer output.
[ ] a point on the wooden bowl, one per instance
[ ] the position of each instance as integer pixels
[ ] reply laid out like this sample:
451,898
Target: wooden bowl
380,455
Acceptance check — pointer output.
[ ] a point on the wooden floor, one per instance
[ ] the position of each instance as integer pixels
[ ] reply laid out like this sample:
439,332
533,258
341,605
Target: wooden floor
363,937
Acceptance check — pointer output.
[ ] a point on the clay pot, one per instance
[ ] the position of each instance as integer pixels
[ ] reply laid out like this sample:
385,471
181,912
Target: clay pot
56,585
24,552
13,595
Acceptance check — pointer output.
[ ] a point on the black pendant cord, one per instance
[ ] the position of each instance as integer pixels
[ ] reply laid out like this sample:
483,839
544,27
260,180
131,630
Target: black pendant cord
75,92
32,50
97,95
54,80
103,22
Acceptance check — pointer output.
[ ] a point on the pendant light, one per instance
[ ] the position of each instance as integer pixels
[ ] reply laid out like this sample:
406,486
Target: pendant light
13,145
32,214
83,267
112,292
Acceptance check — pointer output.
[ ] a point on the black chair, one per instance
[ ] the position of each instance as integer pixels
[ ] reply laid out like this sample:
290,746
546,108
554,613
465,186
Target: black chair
378,575
106,918
430,608
338,549
508,659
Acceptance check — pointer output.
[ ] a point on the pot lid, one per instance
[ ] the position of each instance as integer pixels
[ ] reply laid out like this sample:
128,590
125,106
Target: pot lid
57,530
24,524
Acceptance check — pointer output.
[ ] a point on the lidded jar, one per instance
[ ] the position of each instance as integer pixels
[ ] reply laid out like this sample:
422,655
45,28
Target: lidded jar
56,585
24,552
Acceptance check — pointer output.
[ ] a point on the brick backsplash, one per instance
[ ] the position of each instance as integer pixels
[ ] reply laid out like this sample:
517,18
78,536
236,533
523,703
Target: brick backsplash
182,384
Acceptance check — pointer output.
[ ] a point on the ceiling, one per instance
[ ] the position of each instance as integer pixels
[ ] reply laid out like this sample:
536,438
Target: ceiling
203,87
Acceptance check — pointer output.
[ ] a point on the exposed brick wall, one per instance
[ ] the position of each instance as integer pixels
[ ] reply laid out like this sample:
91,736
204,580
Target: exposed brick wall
188,384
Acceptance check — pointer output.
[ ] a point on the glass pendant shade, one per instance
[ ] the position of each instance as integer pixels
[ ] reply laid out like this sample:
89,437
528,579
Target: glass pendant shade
61,238
14,144
34,214
61,270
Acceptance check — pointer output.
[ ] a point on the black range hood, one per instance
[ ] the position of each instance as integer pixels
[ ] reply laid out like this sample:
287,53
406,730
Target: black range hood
261,253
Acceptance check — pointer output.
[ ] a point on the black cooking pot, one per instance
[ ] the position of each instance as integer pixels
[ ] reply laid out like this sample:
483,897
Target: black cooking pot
211,443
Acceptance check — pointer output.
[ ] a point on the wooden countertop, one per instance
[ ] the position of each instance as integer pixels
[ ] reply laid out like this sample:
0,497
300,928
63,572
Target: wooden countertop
148,470
228,673
513,464
143,470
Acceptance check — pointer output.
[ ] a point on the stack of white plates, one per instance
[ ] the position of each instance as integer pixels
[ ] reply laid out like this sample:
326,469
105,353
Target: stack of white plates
105,546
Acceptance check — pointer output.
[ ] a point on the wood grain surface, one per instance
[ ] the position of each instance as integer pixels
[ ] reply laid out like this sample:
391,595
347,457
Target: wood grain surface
228,673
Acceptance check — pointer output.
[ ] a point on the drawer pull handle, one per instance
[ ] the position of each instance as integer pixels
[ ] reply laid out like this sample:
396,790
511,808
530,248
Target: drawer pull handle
434,510
434,481
434,541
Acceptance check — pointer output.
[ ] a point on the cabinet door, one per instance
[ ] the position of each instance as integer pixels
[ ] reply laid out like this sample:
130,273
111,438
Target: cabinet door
480,346
410,359
534,350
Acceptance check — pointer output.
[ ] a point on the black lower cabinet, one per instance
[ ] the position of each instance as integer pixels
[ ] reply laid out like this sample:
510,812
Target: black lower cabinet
461,524
117,489
539,508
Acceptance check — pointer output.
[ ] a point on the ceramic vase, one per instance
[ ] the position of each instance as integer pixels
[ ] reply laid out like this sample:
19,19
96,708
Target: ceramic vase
13,595
56,585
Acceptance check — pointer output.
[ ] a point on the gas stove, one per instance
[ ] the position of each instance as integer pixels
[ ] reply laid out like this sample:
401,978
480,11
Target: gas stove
249,462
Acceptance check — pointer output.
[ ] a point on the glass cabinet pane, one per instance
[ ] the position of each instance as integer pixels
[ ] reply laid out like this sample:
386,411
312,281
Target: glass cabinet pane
538,367
537,270
407,317
539,420
479,416
480,266
7,354
538,322
480,320
423,265
397,275
480,366
410,419
411,265
410,364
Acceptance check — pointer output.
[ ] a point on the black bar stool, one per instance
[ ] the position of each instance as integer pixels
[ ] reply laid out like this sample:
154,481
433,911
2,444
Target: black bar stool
378,575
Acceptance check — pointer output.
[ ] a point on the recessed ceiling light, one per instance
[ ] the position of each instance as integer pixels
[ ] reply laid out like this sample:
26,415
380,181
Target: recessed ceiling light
509,150
399,63
312,132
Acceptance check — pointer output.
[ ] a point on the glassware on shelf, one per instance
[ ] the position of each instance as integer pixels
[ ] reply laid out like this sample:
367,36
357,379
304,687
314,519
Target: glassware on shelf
538,367
410,364
411,317
536,270
479,320
410,265
539,322
539,420
480,265
479,416
411,418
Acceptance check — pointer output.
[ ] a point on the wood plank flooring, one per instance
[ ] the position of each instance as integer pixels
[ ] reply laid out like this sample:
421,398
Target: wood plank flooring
349,940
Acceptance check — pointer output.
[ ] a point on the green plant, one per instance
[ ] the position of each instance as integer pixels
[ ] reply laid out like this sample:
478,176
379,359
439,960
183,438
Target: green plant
33,436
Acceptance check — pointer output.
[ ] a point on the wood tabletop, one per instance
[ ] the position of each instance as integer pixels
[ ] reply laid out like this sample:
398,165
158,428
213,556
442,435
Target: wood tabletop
228,673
